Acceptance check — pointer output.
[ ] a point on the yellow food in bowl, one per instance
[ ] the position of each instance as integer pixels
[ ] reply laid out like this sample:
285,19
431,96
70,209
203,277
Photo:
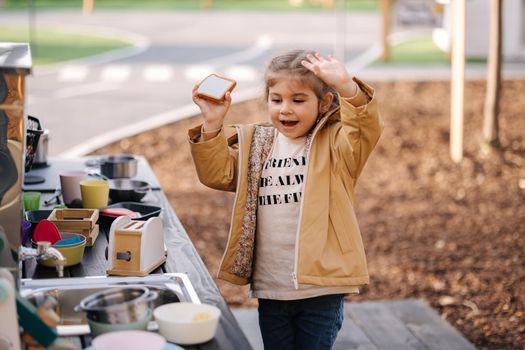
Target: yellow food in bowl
202,316
187,323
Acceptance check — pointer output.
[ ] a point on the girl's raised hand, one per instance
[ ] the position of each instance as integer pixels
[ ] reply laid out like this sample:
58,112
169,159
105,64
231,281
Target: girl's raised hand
332,72
213,112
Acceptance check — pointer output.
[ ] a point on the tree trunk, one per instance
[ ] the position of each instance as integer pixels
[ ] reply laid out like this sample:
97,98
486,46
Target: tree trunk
328,4
457,80
88,6
206,4
387,14
340,32
491,120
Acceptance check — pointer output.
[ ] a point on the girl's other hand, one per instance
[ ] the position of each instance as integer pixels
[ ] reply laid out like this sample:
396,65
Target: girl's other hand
213,112
332,72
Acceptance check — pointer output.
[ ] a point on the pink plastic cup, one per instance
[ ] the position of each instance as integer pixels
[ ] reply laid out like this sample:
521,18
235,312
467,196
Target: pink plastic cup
70,184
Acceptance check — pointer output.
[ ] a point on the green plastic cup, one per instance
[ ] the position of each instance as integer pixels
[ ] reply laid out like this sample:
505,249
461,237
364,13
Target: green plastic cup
31,200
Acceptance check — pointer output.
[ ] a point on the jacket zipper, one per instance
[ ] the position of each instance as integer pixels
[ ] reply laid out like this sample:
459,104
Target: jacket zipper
239,161
297,234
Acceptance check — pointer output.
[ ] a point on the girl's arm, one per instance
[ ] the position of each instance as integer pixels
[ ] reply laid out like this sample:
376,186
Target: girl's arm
213,113
361,124
334,74
215,161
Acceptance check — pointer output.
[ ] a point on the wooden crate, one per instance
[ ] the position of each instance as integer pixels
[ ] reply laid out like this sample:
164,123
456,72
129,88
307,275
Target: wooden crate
83,221
74,219
92,236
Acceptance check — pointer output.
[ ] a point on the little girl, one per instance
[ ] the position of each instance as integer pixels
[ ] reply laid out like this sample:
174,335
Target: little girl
294,235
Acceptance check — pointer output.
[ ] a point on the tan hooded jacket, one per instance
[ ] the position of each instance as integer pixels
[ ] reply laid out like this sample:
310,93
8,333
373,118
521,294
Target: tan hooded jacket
329,249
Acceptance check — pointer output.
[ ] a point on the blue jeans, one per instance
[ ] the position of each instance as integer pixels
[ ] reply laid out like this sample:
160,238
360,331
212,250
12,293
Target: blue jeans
303,324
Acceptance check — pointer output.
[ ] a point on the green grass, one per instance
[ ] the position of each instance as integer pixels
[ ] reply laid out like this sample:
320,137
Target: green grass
51,46
418,51
256,5
422,50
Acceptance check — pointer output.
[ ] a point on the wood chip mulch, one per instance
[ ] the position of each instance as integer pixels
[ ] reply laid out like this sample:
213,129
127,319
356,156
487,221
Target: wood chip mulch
452,234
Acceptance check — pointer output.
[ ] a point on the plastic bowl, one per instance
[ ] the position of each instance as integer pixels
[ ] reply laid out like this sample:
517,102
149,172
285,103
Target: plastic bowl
69,235
187,323
35,216
98,328
129,340
72,252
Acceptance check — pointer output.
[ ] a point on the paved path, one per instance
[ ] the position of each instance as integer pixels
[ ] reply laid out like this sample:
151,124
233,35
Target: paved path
84,100
380,325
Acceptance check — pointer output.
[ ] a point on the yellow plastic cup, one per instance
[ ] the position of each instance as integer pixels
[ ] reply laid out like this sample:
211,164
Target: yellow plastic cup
95,193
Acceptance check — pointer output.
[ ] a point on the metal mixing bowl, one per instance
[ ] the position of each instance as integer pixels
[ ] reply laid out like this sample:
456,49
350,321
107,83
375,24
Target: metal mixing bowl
118,305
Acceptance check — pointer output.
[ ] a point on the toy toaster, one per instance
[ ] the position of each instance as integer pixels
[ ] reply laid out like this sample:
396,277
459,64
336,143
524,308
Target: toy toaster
136,248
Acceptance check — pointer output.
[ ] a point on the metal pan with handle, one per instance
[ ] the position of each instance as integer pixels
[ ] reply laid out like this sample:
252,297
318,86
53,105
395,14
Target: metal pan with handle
125,190
116,166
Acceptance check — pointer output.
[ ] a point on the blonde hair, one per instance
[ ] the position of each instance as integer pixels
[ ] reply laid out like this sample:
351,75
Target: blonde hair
289,64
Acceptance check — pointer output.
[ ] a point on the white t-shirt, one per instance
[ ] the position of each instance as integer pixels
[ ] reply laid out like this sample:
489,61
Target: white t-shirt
279,202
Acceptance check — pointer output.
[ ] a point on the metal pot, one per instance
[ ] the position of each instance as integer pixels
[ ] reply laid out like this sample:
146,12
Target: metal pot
126,190
118,305
119,166
41,151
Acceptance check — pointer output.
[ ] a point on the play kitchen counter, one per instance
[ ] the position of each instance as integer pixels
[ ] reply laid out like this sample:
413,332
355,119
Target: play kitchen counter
181,254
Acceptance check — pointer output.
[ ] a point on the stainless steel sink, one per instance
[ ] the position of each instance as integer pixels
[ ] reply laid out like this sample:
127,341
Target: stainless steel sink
68,292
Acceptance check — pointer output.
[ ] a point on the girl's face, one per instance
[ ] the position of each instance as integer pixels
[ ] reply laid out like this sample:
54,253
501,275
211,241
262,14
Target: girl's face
294,107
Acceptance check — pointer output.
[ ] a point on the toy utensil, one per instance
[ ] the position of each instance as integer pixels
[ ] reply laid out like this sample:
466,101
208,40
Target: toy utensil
115,212
45,230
